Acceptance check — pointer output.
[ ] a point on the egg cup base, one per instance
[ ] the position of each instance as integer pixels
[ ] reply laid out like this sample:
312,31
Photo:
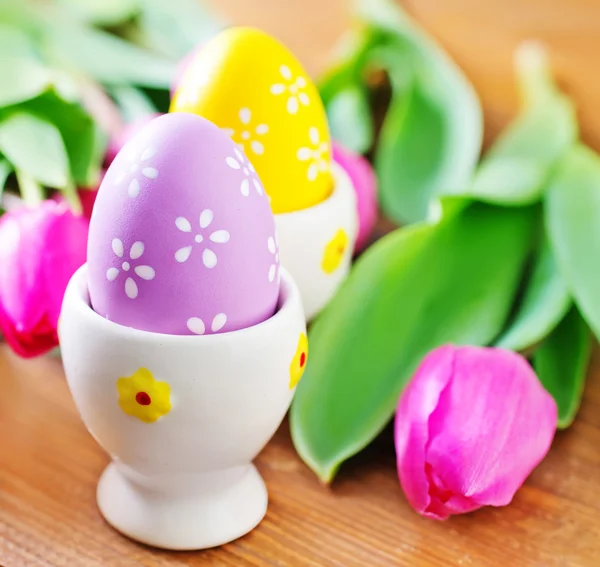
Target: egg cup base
214,514
310,241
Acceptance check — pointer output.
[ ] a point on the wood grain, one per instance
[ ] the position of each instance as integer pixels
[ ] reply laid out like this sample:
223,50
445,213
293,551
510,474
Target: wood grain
49,464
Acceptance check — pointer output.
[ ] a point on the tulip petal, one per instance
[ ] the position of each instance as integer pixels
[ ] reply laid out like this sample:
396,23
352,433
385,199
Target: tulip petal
492,426
442,502
42,248
365,185
418,402
471,426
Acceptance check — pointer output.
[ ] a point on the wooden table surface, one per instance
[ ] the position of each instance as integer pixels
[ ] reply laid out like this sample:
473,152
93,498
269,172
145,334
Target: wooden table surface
49,464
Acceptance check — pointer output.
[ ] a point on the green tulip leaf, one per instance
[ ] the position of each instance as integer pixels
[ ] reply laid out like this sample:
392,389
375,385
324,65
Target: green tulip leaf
517,168
430,143
103,12
23,75
414,290
405,161
572,210
175,27
350,60
350,120
106,57
345,95
84,141
132,102
35,146
561,364
545,302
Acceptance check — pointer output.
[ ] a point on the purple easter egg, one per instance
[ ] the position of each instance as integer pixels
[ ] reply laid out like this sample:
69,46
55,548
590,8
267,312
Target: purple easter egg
182,237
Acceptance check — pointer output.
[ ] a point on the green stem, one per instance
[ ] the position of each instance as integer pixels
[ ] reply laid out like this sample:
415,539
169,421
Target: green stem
30,189
132,102
351,60
72,197
534,76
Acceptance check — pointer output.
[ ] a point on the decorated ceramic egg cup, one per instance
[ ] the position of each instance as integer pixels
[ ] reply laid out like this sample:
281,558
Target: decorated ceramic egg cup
182,417
182,338
316,244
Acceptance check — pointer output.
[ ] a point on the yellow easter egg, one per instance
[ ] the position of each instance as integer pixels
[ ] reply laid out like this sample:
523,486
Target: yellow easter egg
249,84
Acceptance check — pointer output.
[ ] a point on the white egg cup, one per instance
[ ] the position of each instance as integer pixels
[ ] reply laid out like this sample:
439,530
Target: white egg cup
185,481
303,238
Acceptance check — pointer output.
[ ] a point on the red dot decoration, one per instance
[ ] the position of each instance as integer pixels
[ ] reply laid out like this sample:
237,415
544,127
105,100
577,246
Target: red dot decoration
143,399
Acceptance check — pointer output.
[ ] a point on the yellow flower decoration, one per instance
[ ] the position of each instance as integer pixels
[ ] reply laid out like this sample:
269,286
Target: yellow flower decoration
334,252
299,361
141,396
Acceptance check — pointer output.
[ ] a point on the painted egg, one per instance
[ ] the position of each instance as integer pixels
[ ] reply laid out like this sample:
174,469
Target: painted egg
182,238
249,84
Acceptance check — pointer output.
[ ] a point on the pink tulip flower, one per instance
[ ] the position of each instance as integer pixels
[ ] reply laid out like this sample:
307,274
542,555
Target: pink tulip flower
365,184
40,249
470,427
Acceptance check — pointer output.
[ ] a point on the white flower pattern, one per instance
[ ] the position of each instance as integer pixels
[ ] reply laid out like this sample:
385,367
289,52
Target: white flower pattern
144,272
209,257
294,88
243,164
248,134
314,155
146,169
273,246
197,326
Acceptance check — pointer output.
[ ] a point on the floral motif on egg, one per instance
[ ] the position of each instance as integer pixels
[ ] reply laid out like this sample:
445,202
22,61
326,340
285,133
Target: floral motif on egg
298,364
292,88
248,135
142,272
273,246
143,397
316,155
197,326
136,165
334,252
240,162
220,236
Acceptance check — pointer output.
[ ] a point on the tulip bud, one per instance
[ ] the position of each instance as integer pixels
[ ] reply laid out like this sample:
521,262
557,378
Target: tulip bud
470,427
365,184
40,249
